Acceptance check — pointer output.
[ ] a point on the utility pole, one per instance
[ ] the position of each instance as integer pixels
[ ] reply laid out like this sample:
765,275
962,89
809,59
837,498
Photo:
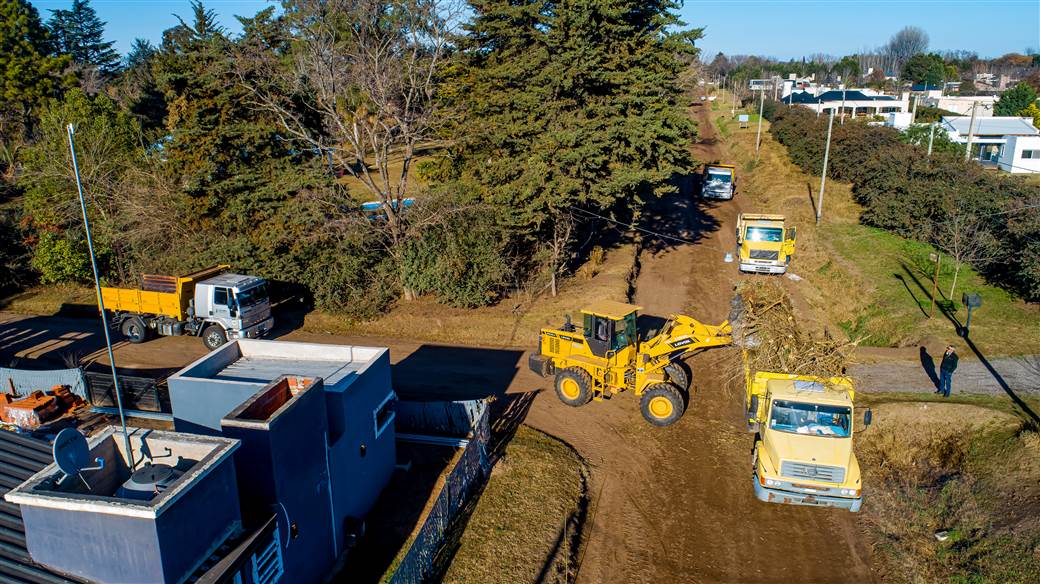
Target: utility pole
101,303
761,105
843,88
823,178
971,132
931,138
913,115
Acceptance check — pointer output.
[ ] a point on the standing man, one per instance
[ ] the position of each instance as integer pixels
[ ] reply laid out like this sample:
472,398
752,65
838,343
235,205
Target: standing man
946,369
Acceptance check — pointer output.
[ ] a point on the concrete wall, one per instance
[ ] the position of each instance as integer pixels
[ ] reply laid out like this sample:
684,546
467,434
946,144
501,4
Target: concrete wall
199,402
361,463
1011,157
108,547
282,467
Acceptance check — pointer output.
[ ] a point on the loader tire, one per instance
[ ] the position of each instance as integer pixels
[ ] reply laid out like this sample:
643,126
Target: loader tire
662,404
213,336
574,386
679,374
134,329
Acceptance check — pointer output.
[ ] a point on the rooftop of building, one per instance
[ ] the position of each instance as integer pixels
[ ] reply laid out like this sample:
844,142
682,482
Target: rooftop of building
991,126
835,95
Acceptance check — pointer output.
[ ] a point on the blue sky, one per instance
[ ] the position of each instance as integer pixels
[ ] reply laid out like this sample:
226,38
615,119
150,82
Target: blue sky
778,28
796,28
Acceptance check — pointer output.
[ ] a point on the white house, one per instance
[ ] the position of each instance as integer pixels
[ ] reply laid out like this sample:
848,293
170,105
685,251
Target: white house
962,104
849,101
1009,143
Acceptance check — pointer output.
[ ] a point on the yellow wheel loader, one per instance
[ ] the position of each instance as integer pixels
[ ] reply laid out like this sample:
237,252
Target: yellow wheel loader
605,356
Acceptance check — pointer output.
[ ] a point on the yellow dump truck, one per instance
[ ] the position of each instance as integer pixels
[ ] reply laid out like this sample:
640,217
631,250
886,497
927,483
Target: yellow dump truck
765,244
803,445
210,303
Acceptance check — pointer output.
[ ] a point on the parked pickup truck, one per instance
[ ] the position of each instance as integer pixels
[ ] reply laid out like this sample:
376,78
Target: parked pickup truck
210,303
764,243
718,181
803,447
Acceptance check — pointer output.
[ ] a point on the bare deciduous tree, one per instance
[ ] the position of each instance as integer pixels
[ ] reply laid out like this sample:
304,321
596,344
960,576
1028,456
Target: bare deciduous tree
356,80
906,43
967,239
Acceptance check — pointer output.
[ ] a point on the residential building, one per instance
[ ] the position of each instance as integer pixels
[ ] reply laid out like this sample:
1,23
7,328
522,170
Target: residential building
962,104
1009,143
851,102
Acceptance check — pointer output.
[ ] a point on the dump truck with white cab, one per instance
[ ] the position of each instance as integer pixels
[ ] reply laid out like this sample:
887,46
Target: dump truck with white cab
210,303
803,445
765,244
718,181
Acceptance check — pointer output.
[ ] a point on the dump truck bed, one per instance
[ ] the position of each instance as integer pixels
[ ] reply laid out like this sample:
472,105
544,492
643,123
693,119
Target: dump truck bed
159,295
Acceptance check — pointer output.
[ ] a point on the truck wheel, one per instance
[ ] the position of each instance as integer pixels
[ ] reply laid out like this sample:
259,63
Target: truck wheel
213,336
134,329
678,373
662,404
574,386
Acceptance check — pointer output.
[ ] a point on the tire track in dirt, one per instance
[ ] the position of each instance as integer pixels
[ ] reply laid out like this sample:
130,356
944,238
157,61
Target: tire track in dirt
676,504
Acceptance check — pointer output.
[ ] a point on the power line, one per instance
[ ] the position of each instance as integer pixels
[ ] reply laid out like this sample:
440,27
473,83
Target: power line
637,228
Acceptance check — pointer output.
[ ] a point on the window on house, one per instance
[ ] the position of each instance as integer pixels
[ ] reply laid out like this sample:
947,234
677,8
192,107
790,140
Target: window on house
384,414
1031,154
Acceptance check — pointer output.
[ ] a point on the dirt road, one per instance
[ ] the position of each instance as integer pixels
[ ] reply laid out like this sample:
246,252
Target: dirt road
669,505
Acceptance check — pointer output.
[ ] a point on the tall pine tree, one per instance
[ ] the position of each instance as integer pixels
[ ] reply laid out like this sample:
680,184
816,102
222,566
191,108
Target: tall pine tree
79,33
571,106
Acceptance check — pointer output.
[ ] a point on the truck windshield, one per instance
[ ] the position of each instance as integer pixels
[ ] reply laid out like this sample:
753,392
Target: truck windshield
719,177
814,419
769,234
251,296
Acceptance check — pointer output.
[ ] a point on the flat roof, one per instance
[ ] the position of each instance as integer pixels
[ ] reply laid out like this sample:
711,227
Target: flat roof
231,280
262,361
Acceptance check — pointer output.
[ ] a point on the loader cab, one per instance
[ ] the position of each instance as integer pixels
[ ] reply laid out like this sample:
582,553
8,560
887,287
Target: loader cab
610,330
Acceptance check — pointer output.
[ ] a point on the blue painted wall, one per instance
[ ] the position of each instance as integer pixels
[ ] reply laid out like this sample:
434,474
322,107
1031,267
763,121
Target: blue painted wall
282,469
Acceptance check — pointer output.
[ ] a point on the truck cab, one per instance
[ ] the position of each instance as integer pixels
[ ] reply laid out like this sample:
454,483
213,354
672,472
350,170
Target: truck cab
765,244
803,446
718,181
238,304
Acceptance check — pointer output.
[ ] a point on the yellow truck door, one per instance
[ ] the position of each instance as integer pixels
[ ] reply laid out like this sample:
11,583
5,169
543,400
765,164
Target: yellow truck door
789,242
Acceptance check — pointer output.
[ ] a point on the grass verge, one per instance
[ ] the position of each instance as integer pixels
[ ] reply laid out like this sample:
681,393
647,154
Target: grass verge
953,494
524,526
868,282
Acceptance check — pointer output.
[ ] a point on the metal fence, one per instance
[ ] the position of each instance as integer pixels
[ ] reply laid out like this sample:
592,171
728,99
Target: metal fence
139,393
25,382
472,469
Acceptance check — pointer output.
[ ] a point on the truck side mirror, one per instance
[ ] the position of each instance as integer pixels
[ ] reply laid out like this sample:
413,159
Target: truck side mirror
753,410
792,233
868,417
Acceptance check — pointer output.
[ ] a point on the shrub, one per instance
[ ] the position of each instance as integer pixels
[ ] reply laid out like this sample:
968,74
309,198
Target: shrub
907,192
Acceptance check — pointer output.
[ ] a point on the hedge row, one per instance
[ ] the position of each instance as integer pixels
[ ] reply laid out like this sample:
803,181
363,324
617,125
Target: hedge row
905,191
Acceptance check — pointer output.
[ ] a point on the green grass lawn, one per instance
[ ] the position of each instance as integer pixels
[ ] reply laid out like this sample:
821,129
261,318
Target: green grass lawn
900,273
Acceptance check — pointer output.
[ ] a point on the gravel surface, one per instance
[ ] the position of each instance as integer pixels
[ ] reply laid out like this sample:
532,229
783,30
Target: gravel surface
1020,374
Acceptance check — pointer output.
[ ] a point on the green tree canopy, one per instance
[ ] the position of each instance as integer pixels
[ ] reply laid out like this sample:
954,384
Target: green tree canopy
925,69
1014,100
79,33
28,74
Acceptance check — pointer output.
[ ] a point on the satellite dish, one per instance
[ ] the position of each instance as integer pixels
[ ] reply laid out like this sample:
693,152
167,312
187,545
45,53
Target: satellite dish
71,452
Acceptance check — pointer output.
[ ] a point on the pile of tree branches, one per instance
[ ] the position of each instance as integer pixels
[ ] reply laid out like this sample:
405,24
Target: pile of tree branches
765,328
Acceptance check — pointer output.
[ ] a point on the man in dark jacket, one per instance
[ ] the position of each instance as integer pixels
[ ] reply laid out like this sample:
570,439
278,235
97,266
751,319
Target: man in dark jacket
946,369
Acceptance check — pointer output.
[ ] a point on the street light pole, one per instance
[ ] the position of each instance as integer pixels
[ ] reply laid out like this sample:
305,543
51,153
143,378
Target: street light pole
761,105
101,303
823,178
